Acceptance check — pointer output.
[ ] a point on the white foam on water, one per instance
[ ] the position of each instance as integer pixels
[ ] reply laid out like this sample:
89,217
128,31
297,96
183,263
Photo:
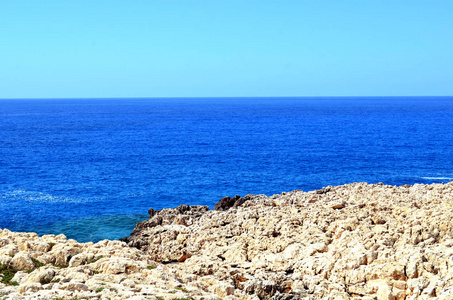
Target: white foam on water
40,197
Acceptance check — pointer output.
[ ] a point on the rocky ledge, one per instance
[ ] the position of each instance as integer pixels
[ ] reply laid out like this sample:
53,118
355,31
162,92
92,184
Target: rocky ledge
356,241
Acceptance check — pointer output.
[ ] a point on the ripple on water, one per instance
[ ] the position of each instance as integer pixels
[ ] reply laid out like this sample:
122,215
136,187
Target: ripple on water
94,229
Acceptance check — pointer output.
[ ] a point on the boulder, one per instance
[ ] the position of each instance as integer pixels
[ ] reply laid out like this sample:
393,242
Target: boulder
41,275
22,261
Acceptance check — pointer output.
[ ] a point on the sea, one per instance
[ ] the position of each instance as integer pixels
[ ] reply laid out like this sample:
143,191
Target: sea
91,168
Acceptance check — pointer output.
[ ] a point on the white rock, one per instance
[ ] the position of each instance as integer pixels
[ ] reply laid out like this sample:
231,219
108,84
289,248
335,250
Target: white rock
40,275
74,286
385,293
21,261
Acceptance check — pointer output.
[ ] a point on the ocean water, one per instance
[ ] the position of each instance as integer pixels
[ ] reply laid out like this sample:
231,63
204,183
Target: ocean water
91,168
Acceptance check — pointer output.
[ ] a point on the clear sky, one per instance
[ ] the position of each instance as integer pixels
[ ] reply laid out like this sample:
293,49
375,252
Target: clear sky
224,48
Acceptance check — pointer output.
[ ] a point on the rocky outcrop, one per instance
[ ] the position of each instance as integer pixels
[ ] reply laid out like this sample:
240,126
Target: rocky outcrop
54,267
183,215
226,203
356,241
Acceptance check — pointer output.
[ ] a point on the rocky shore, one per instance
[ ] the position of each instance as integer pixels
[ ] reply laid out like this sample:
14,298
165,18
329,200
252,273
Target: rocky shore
356,241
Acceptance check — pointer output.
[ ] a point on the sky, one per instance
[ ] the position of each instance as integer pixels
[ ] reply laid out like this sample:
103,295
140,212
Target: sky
225,48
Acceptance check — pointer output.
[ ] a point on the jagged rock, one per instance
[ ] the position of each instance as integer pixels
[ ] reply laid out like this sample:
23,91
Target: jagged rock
226,203
41,276
19,276
224,289
324,190
29,287
5,259
178,217
338,204
4,242
80,259
74,286
356,241
9,249
385,293
61,257
21,261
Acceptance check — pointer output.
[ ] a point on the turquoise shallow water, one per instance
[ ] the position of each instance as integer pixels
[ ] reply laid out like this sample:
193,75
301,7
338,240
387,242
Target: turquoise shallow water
91,168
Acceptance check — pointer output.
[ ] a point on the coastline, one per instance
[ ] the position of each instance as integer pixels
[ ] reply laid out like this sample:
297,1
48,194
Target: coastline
363,241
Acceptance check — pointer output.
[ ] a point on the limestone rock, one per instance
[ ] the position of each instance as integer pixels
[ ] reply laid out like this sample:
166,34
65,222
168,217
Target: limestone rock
62,257
226,203
5,259
22,261
80,259
29,287
356,241
42,276
74,286
385,293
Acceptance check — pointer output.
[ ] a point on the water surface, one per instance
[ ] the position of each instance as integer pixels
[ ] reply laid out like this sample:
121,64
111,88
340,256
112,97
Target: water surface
91,168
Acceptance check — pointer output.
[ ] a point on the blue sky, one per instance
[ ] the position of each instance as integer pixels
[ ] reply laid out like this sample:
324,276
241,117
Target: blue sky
137,48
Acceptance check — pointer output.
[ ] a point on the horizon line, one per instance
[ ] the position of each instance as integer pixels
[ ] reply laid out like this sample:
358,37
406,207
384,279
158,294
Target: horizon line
217,97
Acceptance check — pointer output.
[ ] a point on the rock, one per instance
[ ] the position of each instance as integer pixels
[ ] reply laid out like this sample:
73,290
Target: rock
62,257
74,286
19,276
224,290
183,215
29,287
116,265
61,237
226,203
42,276
41,247
324,190
9,250
80,259
21,261
4,242
5,259
412,269
78,276
184,256
385,293
338,204
355,241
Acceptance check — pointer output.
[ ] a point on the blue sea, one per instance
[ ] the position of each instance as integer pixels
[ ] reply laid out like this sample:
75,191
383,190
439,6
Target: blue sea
91,168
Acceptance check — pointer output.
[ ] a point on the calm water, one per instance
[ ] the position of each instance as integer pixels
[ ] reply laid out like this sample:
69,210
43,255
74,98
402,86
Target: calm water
92,168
